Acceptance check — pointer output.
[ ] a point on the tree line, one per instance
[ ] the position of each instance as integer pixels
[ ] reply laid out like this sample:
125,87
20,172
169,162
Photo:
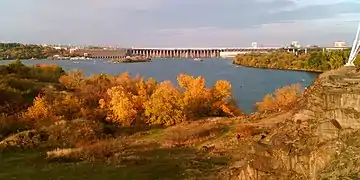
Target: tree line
316,60
22,51
42,93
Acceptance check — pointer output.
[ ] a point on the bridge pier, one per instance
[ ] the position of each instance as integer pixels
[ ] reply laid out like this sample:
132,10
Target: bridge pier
192,52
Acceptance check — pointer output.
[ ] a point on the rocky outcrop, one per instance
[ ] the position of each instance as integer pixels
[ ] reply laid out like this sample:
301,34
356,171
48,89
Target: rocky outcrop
312,143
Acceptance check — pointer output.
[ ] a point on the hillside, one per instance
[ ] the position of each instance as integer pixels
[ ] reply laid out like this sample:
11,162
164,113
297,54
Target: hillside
316,139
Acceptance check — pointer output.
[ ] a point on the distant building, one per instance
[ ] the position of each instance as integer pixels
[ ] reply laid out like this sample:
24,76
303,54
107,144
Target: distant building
72,50
101,53
254,44
339,44
295,44
60,48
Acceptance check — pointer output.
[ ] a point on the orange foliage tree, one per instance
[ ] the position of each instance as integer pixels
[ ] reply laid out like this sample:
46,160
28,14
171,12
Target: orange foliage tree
223,102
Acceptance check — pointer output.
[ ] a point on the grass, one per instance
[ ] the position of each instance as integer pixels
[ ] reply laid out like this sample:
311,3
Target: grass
154,164
143,156
138,154
32,165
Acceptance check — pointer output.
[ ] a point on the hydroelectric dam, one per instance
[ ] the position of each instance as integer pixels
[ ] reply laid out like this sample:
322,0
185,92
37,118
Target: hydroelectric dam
188,52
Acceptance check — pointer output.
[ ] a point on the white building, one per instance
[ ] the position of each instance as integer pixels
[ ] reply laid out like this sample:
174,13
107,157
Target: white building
339,44
73,49
295,44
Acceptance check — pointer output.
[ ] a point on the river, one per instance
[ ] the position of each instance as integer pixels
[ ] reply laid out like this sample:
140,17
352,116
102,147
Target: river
249,85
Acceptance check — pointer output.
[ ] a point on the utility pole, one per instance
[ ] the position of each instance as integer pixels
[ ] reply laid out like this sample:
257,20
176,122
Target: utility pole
355,49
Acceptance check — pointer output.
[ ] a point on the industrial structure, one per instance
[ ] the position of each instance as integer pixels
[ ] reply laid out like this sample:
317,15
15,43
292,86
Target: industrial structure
355,49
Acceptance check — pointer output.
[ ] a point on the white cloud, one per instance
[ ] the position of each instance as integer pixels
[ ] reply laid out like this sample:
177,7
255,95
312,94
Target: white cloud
321,31
298,4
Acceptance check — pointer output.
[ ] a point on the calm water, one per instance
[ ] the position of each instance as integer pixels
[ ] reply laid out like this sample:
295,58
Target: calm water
249,84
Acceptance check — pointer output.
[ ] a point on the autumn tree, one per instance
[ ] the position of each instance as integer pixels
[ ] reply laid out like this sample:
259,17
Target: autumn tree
222,100
165,106
121,106
69,107
196,96
72,79
284,97
40,113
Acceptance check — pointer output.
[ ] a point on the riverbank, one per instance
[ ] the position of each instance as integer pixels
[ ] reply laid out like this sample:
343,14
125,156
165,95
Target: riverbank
314,61
283,69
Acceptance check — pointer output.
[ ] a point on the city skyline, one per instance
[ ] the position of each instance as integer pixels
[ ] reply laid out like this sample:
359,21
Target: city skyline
156,23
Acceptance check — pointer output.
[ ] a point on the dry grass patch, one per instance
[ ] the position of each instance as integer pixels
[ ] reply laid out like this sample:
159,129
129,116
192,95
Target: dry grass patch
10,125
67,154
189,135
99,151
76,133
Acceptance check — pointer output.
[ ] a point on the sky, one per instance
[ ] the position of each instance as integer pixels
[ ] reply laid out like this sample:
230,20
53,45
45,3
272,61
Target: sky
179,23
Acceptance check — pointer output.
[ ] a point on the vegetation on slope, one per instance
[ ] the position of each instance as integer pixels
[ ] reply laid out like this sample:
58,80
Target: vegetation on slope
50,117
45,94
317,61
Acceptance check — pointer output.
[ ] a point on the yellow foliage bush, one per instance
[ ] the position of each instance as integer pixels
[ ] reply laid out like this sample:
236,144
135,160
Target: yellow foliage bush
40,110
282,98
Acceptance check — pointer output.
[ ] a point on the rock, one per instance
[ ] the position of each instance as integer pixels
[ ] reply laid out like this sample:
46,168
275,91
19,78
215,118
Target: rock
309,143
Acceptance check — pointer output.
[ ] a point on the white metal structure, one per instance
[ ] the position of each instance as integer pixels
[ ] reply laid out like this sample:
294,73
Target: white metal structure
355,49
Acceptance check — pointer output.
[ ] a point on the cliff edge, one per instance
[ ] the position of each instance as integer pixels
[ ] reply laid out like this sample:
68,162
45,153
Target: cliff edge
320,139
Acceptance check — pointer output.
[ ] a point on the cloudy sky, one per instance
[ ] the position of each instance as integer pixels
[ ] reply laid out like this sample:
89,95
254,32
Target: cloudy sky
178,23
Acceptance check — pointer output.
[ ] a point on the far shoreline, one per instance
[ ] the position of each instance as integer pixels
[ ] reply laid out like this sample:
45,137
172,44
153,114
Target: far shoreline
282,69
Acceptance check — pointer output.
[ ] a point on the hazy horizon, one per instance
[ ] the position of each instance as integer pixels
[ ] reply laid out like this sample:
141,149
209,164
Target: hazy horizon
160,23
